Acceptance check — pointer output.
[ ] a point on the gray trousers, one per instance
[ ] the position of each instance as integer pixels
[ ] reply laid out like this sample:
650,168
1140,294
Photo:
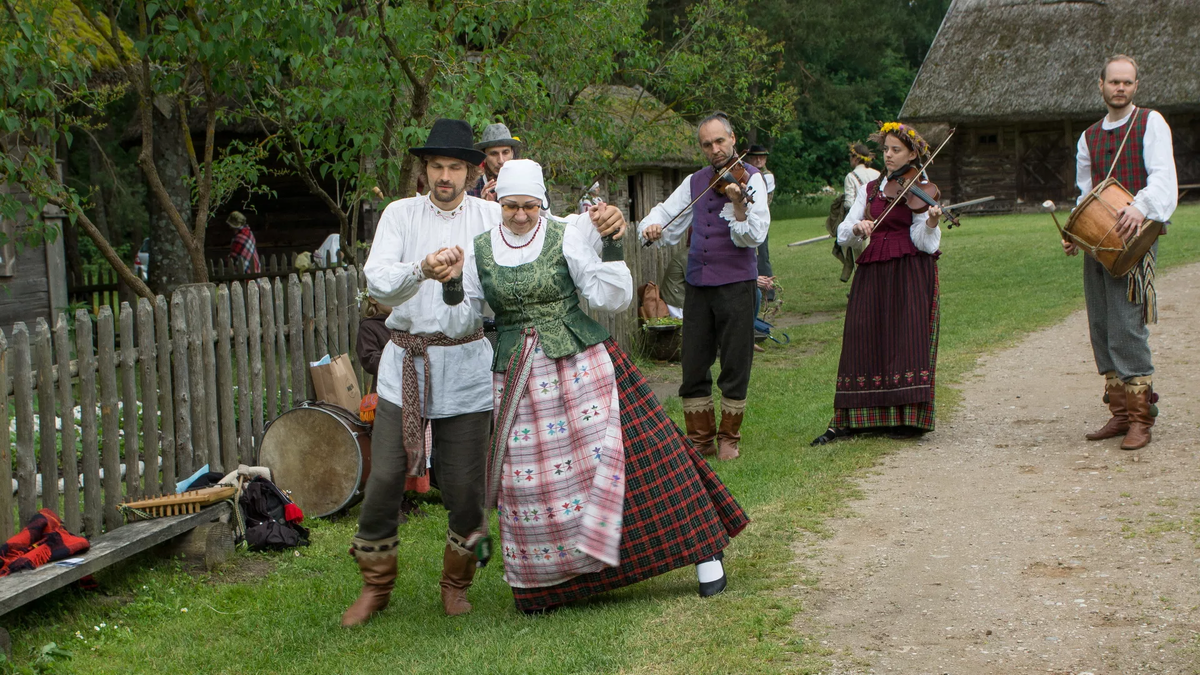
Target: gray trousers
1120,341
459,461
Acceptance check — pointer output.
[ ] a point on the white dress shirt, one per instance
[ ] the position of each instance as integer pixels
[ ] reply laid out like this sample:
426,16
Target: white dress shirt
606,286
925,238
748,233
1158,199
409,230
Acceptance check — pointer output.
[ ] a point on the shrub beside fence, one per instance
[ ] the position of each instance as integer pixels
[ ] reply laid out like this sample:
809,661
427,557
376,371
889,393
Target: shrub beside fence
162,390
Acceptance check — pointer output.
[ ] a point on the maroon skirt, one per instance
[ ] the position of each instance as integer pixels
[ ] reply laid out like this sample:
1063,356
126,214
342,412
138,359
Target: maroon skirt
889,344
677,511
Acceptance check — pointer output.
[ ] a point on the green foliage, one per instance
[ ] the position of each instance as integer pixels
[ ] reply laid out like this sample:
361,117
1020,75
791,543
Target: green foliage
46,660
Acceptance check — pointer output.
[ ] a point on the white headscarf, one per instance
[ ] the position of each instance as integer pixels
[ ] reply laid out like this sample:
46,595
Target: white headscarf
521,177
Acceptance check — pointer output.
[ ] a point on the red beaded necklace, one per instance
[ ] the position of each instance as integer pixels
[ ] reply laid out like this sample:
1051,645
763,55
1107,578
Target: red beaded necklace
535,231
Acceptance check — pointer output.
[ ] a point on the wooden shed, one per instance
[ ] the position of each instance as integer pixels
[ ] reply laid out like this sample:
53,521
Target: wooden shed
33,279
1018,79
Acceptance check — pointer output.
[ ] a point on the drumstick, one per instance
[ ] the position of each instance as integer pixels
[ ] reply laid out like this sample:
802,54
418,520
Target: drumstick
1049,206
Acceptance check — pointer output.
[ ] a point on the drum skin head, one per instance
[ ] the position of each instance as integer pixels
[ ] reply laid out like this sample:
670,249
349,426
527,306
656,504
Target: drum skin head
313,454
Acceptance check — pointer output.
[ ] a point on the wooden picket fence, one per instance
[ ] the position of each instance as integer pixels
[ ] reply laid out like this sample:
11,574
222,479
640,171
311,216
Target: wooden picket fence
207,369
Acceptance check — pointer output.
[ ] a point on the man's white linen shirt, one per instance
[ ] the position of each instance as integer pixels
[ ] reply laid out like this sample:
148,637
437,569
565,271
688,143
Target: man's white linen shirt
409,230
1158,199
607,286
925,238
856,182
748,233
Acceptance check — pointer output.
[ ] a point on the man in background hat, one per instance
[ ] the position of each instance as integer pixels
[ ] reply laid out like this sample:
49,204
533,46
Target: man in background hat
436,369
498,146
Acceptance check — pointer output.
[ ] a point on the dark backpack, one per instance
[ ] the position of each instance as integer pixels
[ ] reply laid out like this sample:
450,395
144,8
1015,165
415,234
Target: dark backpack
272,520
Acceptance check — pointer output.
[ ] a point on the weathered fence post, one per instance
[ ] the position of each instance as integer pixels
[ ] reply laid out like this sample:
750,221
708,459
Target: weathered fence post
310,354
183,392
254,318
66,399
300,382
245,447
281,356
343,315
195,357
23,406
211,393
267,308
331,314
110,427
129,403
47,422
225,389
165,402
6,505
92,504
321,347
147,357
354,314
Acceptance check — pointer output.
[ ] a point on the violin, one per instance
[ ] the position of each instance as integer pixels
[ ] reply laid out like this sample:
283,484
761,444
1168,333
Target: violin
736,174
919,193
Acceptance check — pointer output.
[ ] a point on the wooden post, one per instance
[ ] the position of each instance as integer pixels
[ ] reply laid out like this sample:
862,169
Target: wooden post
23,405
321,348
254,319
46,416
110,423
267,309
6,505
211,392
344,297
66,400
147,357
331,313
166,404
85,352
244,454
228,455
310,355
300,378
183,391
129,412
353,314
281,356
195,357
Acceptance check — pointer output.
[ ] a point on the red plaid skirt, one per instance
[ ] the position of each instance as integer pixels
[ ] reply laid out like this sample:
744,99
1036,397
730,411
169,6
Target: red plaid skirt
677,511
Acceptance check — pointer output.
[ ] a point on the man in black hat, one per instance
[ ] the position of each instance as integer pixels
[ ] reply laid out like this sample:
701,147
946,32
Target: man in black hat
435,370
498,145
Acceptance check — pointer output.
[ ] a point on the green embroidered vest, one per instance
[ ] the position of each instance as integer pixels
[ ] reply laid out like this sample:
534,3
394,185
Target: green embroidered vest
539,294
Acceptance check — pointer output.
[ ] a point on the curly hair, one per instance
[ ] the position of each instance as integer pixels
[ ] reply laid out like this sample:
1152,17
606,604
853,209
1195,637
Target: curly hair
907,136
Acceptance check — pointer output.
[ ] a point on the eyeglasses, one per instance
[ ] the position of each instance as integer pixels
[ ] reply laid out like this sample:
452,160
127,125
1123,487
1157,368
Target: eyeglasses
511,209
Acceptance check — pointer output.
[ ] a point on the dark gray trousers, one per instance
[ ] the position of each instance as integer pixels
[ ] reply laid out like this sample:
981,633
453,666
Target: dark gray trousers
459,461
1120,341
718,317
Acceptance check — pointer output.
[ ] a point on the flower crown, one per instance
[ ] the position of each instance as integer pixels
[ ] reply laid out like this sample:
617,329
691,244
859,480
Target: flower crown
902,129
865,159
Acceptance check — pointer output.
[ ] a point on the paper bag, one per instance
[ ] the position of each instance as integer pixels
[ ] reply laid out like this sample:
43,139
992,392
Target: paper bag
335,383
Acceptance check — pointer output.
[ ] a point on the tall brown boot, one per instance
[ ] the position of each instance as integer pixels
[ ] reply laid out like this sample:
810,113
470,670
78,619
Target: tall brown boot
1114,395
377,562
700,418
730,434
458,570
1138,393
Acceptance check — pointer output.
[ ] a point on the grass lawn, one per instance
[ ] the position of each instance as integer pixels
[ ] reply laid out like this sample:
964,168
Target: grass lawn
1000,277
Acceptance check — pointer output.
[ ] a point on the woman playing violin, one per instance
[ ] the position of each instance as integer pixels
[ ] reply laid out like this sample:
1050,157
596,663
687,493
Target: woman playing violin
885,376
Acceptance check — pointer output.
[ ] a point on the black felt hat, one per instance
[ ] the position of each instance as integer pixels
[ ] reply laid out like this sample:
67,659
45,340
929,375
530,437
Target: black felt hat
758,150
450,138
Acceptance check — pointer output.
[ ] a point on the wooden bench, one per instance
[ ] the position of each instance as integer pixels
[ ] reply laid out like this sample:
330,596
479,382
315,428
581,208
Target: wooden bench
126,541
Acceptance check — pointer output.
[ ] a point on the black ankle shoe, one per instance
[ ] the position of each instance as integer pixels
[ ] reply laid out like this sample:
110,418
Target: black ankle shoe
832,434
711,588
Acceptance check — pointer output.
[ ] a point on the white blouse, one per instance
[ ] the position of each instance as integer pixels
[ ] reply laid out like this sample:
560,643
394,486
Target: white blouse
606,286
925,238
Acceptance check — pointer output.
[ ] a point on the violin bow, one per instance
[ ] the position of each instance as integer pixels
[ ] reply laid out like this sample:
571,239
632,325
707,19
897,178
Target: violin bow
920,172
716,179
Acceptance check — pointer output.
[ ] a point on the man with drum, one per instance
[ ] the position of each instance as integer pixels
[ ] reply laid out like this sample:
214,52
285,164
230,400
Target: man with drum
1132,145
436,369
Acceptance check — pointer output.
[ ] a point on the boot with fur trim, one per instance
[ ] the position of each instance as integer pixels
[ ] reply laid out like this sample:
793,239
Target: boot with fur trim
1114,396
377,563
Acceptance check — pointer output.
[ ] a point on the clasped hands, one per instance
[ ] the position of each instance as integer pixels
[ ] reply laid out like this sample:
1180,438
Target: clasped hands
444,264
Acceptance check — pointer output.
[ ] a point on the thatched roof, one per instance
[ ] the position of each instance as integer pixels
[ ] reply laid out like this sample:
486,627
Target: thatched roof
1040,59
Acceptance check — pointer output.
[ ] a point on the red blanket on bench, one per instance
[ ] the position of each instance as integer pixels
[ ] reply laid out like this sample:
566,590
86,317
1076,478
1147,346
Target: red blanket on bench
43,540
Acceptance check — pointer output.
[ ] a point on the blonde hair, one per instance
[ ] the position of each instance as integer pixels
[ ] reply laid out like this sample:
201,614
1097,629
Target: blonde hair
1114,59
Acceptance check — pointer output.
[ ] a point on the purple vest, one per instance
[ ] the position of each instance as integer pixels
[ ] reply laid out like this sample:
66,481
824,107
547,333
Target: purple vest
713,259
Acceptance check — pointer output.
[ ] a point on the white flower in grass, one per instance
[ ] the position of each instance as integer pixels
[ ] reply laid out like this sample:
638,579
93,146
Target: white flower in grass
103,625
183,609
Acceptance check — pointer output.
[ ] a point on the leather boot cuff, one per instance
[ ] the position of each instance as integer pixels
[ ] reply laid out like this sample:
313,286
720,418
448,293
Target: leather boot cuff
698,405
457,543
1137,385
1112,381
364,549
732,407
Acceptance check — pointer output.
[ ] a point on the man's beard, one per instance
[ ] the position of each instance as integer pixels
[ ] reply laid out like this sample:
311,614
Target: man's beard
1111,101
455,190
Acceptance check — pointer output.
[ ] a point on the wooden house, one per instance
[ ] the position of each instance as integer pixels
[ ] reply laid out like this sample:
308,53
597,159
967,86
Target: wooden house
1018,80
33,279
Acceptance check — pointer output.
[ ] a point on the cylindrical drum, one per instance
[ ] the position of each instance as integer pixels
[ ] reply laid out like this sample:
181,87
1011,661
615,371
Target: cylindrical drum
321,454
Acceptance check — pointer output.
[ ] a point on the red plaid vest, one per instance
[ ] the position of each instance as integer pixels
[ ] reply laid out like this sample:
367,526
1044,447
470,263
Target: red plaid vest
1103,144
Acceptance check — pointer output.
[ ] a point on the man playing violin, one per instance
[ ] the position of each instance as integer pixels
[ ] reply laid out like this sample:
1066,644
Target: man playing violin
1134,144
728,221
885,378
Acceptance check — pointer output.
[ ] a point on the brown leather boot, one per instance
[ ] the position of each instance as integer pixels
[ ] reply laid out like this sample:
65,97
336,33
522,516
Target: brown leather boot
729,435
1137,401
700,418
377,562
1114,395
458,570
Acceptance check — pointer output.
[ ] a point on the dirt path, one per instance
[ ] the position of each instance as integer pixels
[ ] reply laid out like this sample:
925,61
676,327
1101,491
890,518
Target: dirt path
1005,543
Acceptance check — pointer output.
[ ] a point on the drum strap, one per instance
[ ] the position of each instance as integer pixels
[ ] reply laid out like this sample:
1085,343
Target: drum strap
414,430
